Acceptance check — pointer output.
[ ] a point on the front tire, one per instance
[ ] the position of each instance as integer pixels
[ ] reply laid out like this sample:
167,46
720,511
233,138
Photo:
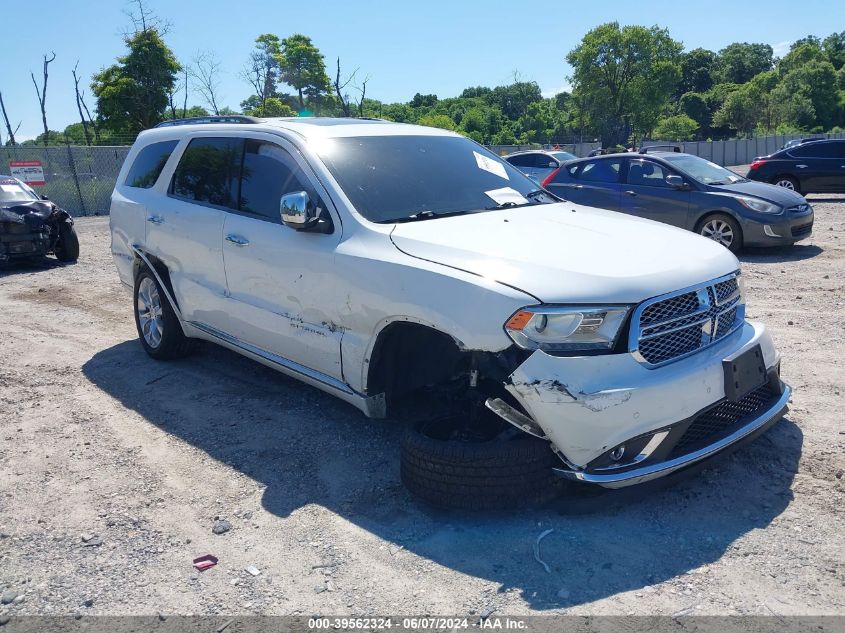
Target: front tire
508,471
67,246
723,229
158,326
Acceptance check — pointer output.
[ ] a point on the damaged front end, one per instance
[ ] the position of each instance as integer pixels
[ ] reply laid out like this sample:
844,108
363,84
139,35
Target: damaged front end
30,229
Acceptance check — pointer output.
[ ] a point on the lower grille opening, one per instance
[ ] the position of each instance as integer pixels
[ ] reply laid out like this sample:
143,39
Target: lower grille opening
722,420
799,231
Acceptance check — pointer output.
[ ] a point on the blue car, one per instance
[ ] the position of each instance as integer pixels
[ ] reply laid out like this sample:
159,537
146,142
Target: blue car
688,192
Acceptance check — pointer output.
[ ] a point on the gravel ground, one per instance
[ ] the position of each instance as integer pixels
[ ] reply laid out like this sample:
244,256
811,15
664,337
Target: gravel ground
115,469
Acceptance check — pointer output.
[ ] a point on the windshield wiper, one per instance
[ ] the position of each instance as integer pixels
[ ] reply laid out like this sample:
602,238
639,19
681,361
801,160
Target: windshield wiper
424,215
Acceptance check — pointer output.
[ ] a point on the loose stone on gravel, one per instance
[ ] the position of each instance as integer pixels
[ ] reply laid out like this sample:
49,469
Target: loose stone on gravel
221,526
8,596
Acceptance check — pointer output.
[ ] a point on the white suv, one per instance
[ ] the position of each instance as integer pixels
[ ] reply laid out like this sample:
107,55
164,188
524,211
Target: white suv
414,274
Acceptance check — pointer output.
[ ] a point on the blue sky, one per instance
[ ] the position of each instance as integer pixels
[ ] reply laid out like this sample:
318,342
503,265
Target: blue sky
428,46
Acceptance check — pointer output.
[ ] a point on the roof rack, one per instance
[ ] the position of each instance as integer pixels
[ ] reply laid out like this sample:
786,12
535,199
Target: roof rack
660,148
197,120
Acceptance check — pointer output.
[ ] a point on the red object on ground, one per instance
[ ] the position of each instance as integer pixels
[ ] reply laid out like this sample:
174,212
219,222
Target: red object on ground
205,562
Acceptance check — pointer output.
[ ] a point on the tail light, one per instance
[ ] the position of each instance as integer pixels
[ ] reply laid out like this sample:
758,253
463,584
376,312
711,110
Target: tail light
549,178
756,164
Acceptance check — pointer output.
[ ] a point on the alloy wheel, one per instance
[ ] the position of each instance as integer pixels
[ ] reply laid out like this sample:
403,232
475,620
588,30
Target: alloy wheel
150,316
786,184
719,231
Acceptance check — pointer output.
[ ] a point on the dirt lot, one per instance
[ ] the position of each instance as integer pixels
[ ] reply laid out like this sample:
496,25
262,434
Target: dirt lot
114,469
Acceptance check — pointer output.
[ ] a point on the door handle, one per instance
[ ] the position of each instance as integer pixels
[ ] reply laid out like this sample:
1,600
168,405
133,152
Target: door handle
155,219
234,239
632,193
800,166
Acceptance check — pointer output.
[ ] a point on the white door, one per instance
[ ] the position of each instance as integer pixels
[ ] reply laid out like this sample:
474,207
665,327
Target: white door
281,282
185,227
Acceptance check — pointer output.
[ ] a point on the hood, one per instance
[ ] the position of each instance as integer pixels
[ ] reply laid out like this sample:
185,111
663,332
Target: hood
33,214
772,193
566,253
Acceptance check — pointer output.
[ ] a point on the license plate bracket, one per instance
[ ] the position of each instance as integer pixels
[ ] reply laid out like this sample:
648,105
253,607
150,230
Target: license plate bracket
744,372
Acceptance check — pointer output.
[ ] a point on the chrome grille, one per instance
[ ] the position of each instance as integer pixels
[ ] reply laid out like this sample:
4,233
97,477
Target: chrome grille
675,325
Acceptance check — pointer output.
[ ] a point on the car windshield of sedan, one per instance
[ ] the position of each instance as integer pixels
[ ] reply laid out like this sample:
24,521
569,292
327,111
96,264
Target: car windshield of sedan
563,156
703,171
407,178
12,191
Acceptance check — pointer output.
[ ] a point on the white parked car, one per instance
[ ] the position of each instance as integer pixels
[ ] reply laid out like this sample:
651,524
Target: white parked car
412,273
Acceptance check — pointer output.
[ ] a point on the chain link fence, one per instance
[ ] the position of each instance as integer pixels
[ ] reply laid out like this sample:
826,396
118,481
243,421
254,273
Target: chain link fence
79,179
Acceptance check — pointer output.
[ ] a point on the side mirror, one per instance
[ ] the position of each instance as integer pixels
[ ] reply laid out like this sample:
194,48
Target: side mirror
43,197
298,211
675,181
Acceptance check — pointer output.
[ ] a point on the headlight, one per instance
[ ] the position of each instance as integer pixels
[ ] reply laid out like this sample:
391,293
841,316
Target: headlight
563,329
760,206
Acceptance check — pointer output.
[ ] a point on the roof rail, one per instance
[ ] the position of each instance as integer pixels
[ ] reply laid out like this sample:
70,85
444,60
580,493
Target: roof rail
660,148
197,120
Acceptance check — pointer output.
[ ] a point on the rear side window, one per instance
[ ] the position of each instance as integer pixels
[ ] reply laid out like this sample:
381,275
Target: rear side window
604,170
647,173
269,172
522,160
819,150
209,171
148,164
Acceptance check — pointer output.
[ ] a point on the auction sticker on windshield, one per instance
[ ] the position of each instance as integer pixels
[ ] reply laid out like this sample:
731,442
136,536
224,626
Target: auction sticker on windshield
506,195
488,164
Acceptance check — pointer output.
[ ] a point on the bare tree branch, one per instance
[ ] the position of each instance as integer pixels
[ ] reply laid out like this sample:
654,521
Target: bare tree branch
363,89
339,87
9,130
144,18
42,94
185,102
205,73
79,104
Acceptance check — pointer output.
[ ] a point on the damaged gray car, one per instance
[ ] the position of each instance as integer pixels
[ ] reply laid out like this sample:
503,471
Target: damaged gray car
32,227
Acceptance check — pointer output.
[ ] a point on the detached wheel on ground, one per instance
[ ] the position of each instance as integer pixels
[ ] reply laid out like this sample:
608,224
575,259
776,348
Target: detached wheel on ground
67,246
450,469
787,182
159,330
721,228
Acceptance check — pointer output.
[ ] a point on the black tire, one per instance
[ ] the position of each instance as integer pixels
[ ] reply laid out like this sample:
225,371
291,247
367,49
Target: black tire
796,186
172,342
67,246
716,218
483,475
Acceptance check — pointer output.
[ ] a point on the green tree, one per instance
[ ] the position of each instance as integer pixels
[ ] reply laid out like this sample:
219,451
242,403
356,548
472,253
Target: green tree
697,68
272,107
132,94
623,77
740,61
263,67
303,68
676,128
741,111
800,55
513,100
694,105
834,47
817,82
437,120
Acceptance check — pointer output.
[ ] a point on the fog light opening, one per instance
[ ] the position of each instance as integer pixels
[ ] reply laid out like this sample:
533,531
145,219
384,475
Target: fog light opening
768,230
617,453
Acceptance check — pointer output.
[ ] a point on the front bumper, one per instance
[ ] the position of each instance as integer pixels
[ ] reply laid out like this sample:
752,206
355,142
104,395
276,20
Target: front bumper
588,405
779,230
23,245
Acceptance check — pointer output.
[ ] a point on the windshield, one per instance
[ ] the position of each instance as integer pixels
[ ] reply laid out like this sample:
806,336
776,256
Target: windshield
563,156
12,191
401,178
703,170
